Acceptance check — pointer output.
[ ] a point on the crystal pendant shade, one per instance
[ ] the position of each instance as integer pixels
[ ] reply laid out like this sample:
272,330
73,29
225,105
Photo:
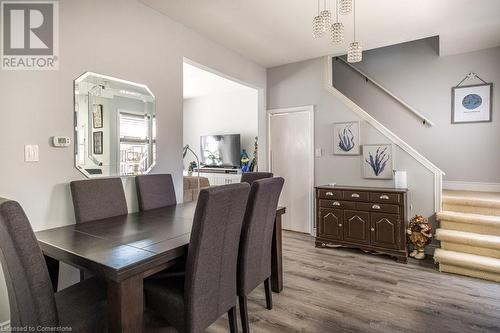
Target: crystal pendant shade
337,32
326,15
345,7
318,27
355,52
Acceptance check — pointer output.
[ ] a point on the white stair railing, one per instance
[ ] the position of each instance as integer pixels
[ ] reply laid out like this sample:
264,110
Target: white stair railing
438,173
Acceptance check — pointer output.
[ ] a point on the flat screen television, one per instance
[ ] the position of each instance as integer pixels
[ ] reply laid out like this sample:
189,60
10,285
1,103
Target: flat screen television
220,151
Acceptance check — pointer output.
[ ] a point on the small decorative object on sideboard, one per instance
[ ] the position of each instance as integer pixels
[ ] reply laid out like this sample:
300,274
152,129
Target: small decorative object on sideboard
367,218
419,234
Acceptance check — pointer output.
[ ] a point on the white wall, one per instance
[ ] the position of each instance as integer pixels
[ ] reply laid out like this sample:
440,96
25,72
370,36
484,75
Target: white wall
302,84
418,75
121,38
226,113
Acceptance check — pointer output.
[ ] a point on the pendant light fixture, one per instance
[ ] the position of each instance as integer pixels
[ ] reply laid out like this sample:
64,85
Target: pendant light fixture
318,25
345,7
355,50
337,28
326,16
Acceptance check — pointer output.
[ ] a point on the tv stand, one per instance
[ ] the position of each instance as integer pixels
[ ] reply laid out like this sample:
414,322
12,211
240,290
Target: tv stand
233,171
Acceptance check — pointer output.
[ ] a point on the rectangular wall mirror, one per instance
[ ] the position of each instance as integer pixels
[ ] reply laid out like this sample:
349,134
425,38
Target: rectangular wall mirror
115,126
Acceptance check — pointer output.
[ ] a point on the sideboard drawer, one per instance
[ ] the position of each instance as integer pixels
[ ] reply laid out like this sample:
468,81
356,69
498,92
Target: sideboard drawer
385,197
329,194
337,204
356,195
378,207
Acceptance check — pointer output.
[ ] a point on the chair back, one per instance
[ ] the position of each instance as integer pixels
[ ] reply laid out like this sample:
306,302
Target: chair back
211,266
250,177
254,259
98,199
155,191
31,297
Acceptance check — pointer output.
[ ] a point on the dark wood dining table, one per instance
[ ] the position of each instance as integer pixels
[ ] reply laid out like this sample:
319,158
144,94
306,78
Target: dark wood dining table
126,249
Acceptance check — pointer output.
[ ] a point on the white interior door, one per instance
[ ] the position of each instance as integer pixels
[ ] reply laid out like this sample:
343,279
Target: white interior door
291,153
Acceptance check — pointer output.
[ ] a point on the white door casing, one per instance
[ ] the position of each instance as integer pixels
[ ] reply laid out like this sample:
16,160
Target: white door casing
291,156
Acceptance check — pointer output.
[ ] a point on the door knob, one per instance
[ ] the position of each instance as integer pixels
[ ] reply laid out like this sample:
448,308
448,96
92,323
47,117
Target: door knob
340,224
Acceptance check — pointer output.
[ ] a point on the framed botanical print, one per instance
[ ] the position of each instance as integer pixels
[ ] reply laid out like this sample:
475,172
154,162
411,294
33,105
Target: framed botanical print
98,144
377,161
471,104
97,116
346,138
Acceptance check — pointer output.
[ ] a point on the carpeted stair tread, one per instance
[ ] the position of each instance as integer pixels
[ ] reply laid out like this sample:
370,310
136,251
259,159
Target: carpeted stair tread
468,261
468,238
469,198
468,218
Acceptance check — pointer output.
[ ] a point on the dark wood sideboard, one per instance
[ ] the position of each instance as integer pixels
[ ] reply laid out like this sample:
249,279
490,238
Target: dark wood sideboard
368,218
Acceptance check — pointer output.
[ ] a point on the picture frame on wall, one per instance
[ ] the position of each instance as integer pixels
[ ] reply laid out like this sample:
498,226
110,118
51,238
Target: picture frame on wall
377,161
471,104
346,138
97,116
98,144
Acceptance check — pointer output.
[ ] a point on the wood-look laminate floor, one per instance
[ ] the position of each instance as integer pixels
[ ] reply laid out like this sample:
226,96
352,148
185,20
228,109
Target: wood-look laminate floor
343,290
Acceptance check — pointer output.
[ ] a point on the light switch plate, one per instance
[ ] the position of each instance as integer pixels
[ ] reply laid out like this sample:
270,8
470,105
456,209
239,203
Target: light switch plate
31,153
318,152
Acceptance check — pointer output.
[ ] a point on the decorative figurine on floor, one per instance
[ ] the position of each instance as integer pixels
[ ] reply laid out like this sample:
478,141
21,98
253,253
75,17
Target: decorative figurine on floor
419,233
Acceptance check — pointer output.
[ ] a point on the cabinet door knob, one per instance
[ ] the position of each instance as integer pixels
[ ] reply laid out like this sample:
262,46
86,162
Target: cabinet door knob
376,207
340,224
384,197
372,229
336,203
329,193
354,195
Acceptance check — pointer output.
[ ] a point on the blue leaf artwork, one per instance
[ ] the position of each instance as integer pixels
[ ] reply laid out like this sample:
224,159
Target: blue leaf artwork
379,161
472,101
346,139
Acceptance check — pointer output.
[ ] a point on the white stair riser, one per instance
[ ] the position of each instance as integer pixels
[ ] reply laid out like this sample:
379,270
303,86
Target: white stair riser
481,251
471,209
469,227
443,267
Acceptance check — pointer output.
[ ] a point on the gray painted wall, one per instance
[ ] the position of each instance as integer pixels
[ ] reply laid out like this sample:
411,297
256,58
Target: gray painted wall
415,73
302,84
121,38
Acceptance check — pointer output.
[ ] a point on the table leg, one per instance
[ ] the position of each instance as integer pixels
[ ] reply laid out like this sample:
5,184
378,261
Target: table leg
53,268
277,257
125,305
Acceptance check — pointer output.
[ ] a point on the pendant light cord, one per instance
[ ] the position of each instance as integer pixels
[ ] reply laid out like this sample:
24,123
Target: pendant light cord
354,15
337,10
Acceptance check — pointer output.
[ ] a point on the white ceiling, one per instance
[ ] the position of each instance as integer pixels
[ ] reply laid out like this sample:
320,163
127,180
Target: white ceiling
277,32
199,83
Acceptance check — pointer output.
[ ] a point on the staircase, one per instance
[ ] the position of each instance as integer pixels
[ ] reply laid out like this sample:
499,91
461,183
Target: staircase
470,234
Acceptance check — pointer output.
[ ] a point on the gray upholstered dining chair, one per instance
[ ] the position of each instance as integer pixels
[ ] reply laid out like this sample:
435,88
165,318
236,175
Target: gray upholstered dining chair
155,191
97,199
254,259
193,300
31,296
250,177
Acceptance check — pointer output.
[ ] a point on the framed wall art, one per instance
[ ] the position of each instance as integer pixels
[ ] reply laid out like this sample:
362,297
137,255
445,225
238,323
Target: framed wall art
346,138
377,161
98,144
471,104
97,116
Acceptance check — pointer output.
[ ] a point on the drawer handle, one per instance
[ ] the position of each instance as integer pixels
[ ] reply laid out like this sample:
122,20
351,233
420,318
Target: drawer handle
354,195
329,193
336,203
340,224
376,207
372,229
384,197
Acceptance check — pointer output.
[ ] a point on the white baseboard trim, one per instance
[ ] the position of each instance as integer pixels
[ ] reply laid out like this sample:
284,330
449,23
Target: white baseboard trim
471,186
5,326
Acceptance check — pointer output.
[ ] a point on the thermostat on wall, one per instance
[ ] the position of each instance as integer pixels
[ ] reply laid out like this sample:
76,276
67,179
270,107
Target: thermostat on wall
61,141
